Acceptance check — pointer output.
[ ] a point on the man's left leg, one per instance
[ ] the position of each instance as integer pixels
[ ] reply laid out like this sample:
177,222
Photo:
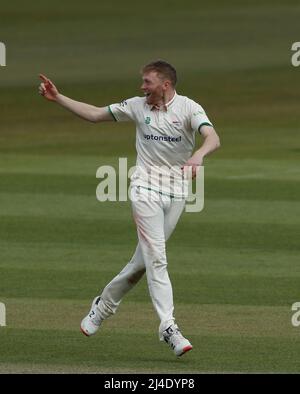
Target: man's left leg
149,218
156,217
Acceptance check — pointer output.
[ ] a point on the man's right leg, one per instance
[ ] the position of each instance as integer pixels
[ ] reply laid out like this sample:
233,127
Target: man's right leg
107,303
115,290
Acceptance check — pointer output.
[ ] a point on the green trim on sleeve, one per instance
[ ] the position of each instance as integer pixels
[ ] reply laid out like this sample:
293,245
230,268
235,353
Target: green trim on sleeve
204,124
112,113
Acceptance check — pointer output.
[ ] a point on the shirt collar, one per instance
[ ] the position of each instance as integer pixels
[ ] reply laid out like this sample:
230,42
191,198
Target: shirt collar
165,106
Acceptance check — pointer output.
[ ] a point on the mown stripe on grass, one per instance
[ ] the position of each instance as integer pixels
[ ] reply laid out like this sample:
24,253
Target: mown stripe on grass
79,206
194,288
181,258
215,188
104,231
208,319
216,353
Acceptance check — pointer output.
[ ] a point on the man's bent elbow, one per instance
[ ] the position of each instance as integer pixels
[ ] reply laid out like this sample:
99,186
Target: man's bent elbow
217,141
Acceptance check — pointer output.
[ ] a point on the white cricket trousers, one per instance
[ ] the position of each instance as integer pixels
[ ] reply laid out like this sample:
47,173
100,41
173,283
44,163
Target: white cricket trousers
156,216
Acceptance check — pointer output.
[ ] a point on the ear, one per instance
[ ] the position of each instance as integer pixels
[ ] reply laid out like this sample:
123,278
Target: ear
166,84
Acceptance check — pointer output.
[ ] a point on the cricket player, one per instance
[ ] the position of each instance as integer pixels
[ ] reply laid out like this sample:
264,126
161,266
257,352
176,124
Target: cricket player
166,124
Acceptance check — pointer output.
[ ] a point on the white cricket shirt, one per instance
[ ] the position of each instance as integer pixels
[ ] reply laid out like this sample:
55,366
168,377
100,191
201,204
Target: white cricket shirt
165,140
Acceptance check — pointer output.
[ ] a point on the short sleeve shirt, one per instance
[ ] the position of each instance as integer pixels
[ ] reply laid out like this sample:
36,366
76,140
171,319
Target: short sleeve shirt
165,139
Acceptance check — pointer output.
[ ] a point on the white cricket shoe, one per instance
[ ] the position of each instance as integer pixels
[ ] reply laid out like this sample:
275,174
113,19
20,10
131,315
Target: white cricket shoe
91,323
176,340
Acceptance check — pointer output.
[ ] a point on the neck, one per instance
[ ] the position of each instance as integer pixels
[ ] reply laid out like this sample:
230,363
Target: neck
166,98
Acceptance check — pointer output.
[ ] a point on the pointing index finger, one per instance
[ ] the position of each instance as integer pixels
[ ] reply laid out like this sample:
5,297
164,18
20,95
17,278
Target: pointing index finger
43,78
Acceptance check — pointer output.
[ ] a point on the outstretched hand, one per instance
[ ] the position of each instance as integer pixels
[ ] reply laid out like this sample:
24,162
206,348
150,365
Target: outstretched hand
47,88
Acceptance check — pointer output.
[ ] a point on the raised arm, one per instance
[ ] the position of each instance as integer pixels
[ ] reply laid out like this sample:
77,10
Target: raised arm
86,111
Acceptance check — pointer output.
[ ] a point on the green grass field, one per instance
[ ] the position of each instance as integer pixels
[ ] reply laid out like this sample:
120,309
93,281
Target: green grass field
234,267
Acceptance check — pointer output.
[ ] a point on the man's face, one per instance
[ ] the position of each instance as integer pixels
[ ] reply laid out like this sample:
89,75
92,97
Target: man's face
153,87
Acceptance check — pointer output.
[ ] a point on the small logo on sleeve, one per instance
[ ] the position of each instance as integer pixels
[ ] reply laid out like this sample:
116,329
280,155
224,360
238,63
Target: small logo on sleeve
123,103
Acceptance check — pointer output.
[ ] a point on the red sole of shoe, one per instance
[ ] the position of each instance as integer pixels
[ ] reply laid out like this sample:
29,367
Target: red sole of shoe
186,349
83,332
